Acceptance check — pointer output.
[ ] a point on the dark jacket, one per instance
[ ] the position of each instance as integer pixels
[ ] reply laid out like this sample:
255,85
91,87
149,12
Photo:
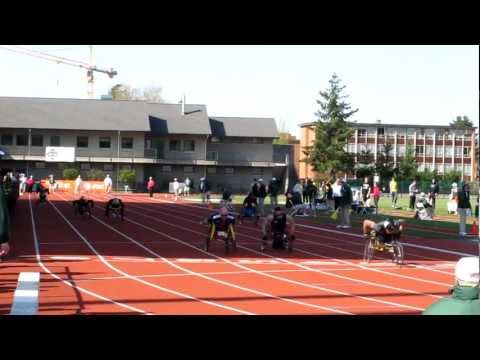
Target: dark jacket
464,301
255,189
434,189
347,197
273,189
262,191
4,218
204,187
464,199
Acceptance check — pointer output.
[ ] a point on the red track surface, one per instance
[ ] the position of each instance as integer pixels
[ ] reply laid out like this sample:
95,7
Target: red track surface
154,263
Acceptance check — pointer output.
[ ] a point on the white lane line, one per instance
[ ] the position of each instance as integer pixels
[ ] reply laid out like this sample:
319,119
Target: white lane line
69,283
331,309
25,298
132,277
69,258
294,264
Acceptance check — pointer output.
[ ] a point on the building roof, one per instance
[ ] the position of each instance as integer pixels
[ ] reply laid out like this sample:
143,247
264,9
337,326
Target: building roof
384,125
108,115
243,127
73,114
167,119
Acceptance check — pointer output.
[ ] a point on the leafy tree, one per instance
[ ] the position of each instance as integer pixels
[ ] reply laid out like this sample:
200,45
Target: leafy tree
127,176
328,153
151,94
95,174
70,173
452,176
462,122
407,168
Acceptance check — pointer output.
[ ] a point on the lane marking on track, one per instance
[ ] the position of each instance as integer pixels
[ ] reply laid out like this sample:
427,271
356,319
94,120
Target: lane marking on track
298,265
121,258
133,277
69,258
69,283
25,298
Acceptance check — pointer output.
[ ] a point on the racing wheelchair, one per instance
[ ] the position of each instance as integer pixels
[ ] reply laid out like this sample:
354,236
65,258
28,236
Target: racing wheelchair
227,236
373,245
279,241
83,208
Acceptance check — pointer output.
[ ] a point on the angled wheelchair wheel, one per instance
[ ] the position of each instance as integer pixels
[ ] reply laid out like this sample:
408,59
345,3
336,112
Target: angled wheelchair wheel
368,251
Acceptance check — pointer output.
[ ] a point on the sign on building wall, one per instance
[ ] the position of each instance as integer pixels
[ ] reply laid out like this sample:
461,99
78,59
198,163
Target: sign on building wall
59,154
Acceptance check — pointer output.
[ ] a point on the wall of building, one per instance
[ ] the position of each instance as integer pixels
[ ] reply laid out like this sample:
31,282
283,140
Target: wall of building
229,151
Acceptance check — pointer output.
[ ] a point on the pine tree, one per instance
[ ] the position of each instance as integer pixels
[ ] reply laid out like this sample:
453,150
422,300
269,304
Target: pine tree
328,154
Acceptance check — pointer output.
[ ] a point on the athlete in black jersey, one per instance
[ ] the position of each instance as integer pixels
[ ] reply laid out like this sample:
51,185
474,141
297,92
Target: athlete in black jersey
280,227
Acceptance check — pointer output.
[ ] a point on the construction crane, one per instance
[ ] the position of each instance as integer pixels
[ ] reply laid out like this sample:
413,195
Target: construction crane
61,60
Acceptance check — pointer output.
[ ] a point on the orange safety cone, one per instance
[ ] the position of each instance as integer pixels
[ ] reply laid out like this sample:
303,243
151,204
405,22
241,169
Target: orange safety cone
474,228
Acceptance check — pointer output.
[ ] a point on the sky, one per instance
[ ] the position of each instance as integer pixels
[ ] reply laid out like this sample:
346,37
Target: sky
395,84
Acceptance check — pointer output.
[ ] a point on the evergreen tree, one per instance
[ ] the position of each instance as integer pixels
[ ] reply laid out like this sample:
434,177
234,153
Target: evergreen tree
328,154
462,122
407,168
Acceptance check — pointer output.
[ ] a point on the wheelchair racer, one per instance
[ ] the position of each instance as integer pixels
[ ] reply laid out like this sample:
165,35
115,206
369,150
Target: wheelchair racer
221,223
277,225
385,231
115,205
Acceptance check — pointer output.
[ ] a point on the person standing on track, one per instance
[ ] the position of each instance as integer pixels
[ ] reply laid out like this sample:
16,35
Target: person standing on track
78,184
107,184
186,188
464,299
262,194
394,192
4,225
273,192
23,183
150,186
204,190
30,182
344,204
176,187
434,190
463,206
51,184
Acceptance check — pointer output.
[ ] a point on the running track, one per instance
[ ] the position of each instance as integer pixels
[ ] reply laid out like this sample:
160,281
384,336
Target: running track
154,263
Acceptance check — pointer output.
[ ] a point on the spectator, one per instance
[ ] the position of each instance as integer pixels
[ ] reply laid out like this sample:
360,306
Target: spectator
204,190
394,192
311,193
30,182
10,192
255,188
304,191
453,199
329,196
176,187
4,225
298,188
273,190
107,184
151,186
464,299
365,190
23,183
186,188
413,191
376,195
262,194
337,193
51,184
78,184
344,203
463,205
356,201
434,190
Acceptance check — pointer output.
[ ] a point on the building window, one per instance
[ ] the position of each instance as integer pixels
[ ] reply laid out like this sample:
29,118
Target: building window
362,132
82,141
419,150
85,166
108,167
421,167
429,150
55,140
449,151
211,170
401,150
214,139
458,151
381,131
37,140
238,140
127,143
439,168
62,166
431,167
257,171
104,142
40,165
458,167
467,169
166,168
188,170
212,155
466,151
7,139
175,145
229,171
448,168
351,148
189,145
439,150
371,148
148,143
126,167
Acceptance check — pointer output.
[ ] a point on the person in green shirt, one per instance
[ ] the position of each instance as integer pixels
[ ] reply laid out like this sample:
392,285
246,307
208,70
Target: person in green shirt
394,192
464,299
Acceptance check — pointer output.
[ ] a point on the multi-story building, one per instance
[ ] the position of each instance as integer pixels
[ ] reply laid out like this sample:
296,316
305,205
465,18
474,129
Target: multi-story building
160,140
440,148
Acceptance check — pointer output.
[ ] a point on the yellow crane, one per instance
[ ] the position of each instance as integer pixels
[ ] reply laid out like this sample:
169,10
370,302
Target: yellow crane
90,67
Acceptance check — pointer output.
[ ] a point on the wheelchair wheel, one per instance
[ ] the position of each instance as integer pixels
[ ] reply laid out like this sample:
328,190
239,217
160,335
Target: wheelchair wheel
398,253
368,251
207,244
